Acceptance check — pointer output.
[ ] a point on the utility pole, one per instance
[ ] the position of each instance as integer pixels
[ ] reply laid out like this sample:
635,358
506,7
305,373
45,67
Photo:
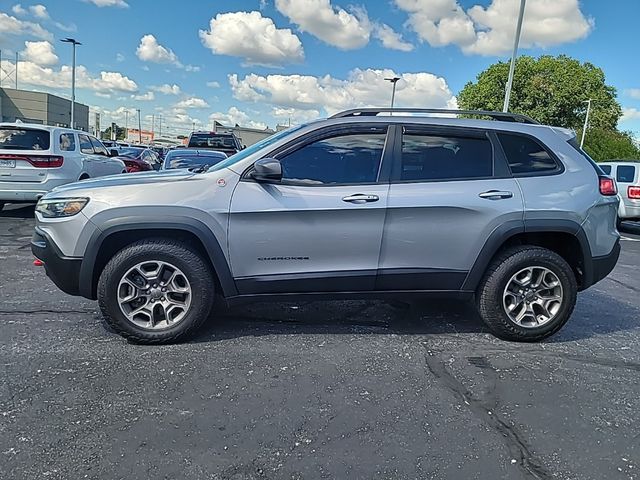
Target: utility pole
586,121
153,125
139,127
16,70
160,125
512,68
393,80
126,125
73,43
193,126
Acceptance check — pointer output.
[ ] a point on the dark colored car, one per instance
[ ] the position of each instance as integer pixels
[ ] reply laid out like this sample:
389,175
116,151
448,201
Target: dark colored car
139,159
221,142
192,159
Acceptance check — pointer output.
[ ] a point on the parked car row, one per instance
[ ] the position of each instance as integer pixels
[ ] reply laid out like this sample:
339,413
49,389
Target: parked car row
627,175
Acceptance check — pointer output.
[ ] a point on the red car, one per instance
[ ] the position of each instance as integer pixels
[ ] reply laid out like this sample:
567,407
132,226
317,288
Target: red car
139,159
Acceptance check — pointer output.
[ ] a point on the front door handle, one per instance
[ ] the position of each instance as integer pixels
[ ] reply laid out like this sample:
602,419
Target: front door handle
495,195
360,198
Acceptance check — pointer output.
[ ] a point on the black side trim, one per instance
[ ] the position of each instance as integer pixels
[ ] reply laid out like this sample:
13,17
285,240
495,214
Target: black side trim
196,227
420,279
602,266
307,282
63,271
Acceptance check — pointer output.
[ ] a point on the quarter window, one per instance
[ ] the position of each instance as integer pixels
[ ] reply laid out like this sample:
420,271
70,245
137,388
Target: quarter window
427,157
525,155
67,142
626,173
85,144
348,158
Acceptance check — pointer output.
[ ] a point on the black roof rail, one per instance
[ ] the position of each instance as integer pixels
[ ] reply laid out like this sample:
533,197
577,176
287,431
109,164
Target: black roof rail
372,112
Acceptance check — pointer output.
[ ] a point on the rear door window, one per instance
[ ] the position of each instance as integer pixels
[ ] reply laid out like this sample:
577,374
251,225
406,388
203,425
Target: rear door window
526,156
67,142
85,144
626,173
432,157
16,138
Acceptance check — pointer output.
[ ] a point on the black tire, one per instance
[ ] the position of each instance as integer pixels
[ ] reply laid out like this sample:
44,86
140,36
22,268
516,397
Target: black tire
2,204
618,223
197,271
489,296
83,177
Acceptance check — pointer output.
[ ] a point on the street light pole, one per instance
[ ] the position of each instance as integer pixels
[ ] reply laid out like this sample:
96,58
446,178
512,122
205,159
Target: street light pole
586,121
139,127
73,42
512,68
393,80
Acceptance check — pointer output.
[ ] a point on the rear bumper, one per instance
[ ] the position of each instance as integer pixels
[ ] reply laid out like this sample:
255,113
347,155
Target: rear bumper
29,191
627,211
600,267
63,271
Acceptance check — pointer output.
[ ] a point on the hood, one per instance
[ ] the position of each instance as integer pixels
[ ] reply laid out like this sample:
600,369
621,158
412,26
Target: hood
125,179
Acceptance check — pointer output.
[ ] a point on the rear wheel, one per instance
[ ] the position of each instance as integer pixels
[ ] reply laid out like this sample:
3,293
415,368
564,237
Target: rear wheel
527,294
156,291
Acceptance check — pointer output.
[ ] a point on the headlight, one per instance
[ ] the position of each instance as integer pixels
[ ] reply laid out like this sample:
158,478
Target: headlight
61,207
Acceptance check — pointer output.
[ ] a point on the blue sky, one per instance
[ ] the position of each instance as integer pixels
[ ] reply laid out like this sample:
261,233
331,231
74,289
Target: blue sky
259,63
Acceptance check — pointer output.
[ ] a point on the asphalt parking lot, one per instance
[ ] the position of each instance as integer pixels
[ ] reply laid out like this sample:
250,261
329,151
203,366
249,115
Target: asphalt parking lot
316,390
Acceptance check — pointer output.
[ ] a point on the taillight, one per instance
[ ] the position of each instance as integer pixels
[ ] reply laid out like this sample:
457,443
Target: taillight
608,186
634,193
38,161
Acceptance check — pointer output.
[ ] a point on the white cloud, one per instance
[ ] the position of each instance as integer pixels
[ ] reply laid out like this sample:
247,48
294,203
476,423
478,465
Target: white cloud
106,82
332,25
284,115
362,88
39,11
167,89
213,84
630,114
633,93
40,53
253,37
233,117
192,102
10,25
490,30
109,3
391,39
145,97
18,9
150,50
120,57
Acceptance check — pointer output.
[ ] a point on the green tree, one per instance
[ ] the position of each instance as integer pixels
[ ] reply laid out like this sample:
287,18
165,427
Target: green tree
550,89
604,145
121,133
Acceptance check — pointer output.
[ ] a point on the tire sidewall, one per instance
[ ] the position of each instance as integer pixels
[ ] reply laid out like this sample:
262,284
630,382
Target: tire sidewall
569,289
191,265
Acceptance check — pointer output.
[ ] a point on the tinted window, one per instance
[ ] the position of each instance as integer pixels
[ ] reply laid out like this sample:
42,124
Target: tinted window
98,147
525,155
85,144
23,139
67,142
349,158
209,140
626,173
191,161
129,152
606,169
436,157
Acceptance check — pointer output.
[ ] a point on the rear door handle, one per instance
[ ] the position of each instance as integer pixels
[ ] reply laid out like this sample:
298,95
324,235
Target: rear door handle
495,195
360,198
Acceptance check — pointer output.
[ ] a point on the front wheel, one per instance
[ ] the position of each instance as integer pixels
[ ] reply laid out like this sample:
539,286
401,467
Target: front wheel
527,294
156,291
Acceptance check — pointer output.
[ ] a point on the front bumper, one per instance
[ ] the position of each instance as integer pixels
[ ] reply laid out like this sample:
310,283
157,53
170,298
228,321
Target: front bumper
63,271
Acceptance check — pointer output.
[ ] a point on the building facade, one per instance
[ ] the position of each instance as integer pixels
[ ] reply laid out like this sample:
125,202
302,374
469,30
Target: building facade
40,107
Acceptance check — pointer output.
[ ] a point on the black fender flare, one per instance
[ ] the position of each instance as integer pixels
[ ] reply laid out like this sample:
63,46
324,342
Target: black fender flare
514,227
191,225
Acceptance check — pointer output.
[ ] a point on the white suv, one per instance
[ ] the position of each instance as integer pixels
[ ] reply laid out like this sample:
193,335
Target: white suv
34,159
627,174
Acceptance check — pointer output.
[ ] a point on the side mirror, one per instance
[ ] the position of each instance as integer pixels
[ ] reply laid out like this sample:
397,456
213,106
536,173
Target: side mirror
113,152
267,169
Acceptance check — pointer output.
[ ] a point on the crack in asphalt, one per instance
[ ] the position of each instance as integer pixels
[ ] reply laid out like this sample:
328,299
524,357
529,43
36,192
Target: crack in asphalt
528,464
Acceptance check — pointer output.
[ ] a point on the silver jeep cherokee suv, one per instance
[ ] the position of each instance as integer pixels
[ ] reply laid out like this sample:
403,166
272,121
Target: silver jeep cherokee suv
492,206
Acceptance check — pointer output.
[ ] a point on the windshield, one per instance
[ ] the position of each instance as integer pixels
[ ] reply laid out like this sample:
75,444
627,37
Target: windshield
12,138
241,155
211,140
130,152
